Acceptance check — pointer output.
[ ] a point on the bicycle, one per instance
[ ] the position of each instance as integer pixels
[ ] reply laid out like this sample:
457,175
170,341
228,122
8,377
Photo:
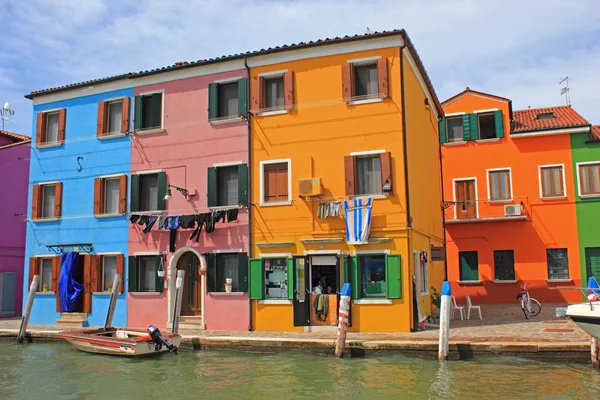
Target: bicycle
530,306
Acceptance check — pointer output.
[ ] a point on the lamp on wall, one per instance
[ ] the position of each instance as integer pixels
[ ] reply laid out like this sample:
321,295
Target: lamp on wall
183,191
446,204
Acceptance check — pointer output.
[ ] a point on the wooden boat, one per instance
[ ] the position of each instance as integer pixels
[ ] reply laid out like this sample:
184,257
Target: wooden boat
118,341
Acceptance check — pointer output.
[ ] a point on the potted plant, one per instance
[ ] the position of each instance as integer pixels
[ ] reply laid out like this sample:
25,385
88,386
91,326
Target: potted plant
161,271
45,287
109,286
436,301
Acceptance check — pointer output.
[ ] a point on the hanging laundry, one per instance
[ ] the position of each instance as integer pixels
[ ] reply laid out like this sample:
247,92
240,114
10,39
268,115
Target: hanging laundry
358,220
200,220
210,222
162,222
134,218
150,224
188,221
232,214
219,215
323,211
335,208
143,220
173,224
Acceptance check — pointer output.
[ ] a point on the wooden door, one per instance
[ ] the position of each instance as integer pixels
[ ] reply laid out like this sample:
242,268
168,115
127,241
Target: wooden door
192,295
466,206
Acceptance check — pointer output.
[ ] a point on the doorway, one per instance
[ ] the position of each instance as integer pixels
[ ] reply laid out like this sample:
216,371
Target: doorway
324,290
191,300
466,199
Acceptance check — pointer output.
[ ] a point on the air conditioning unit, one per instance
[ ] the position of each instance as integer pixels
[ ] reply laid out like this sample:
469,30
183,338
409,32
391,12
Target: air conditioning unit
512,210
309,187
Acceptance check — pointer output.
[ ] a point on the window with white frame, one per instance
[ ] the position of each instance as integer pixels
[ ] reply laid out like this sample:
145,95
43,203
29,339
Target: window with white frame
274,93
115,116
148,111
551,181
499,184
424,273
228,100
368,174
48,200
51,127
589,179
454,126
275,181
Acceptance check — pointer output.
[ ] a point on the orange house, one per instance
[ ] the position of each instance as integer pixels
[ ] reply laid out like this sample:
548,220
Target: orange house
510,212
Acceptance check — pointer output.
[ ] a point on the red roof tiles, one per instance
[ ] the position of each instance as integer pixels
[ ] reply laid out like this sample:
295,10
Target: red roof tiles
595,135
270,50
564,117
15,136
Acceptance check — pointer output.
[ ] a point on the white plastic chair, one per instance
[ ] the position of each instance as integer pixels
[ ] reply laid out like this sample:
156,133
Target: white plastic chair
455,307
471,306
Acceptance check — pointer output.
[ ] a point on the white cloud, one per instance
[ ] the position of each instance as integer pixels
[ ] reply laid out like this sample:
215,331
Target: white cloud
513,48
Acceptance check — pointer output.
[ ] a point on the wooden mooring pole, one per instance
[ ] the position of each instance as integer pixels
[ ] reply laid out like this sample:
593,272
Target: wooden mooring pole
113,301
595,352
178,297
28,306
444,321
343,320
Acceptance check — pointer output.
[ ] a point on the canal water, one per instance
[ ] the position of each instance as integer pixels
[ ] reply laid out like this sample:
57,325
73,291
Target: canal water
57,371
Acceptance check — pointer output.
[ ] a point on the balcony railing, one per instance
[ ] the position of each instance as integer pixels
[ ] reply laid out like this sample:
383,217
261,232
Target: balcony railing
517,209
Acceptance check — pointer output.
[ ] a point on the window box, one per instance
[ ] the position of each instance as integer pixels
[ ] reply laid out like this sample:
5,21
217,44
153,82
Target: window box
365,81
499,185
110,196
227,101
367,174
504,266
148,191
228,185
113,118
481,126
48,269
50,128
46,203
222,266
273,93
142,274
149,113
276,182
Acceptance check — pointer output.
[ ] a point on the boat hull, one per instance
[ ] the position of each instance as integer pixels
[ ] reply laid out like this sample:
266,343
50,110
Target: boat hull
120,342
586,316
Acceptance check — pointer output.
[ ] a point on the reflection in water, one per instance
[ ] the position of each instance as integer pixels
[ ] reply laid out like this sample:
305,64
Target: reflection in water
57,371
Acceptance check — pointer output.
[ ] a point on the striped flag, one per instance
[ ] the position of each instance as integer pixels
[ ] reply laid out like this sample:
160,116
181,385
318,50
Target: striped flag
358,214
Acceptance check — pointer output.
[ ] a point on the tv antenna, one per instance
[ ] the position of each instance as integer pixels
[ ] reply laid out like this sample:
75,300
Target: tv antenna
566,90
5,113
368,30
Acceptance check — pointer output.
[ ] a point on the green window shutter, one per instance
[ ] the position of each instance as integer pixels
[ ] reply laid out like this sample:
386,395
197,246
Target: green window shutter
592,262
466,122
474,126
213,101
161,190
242,272
393,276
290,278
135,193
354,274
468,263
157,110
256,279
132,274
211,190
243,184
499,124
137,118
442,126
158,281
243,97
211,272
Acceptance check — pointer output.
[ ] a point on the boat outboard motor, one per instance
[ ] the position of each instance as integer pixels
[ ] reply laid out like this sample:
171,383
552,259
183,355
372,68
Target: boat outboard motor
159,341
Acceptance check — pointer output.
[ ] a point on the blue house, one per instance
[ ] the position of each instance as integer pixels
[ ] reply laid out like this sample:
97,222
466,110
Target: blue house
78,191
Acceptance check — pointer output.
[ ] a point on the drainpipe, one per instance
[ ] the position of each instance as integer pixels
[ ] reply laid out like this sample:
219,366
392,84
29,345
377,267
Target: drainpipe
443,210
404,135
249,199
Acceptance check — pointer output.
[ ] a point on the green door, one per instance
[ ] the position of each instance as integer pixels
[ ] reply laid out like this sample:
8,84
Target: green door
592,262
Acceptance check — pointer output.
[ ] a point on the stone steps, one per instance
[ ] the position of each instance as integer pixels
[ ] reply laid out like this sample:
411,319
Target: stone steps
72,320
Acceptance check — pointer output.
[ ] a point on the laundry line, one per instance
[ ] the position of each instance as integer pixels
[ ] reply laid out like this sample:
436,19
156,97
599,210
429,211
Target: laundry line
169,213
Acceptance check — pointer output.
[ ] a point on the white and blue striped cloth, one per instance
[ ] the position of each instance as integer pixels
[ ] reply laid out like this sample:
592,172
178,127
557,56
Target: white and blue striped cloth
358,220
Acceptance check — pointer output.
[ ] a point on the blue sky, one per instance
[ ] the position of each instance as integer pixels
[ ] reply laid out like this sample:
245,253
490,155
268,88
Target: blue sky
518,49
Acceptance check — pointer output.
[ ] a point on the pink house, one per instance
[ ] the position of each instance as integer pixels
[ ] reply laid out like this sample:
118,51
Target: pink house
14,175
189,177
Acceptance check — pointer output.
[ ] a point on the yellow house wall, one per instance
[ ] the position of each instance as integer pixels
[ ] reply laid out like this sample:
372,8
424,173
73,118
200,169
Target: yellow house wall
424,180
316,135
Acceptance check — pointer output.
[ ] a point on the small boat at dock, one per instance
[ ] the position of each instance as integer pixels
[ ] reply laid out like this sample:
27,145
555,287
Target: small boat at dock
122,341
